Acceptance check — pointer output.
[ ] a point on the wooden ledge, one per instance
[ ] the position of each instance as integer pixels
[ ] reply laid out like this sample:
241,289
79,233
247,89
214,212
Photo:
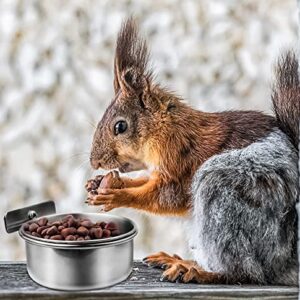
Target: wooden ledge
143,283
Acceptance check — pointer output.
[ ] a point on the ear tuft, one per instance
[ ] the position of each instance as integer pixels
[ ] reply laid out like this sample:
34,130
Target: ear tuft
131,60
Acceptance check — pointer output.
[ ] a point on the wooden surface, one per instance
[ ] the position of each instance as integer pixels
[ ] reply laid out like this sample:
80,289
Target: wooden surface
143,283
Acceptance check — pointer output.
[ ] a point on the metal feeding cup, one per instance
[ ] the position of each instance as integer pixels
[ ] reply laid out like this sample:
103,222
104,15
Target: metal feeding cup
74,265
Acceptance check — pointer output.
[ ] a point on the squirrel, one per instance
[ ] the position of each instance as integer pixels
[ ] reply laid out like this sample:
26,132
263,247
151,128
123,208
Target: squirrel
231,176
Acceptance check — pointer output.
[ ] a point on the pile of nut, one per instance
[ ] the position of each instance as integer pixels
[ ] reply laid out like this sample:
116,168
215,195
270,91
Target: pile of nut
71,229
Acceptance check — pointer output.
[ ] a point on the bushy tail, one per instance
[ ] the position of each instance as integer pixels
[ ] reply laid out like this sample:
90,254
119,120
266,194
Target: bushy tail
286,96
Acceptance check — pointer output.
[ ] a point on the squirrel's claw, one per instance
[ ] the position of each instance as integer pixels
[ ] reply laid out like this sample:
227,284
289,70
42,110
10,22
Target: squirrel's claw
192,275
176,268
175,272
161,260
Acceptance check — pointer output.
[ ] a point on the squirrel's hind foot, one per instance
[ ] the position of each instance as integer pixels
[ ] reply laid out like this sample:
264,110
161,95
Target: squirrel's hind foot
177,269
161,260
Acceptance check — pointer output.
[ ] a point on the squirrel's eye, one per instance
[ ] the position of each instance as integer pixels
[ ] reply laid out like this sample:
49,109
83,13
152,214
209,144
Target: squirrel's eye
120,127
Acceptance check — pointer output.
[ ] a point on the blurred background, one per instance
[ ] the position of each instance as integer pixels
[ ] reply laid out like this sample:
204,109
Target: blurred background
56,80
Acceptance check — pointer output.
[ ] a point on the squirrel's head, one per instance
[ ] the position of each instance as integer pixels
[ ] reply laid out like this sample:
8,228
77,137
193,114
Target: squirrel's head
125,135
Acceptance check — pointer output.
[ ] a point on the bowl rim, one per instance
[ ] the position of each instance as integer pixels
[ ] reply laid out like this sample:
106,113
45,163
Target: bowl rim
63,244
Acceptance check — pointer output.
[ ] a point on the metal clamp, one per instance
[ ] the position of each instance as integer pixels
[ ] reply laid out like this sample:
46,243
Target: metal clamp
14,219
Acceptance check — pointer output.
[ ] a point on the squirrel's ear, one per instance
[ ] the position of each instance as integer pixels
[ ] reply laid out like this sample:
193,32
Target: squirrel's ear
131,74
132,82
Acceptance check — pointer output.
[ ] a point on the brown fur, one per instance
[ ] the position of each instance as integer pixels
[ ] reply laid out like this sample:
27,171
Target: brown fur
165,134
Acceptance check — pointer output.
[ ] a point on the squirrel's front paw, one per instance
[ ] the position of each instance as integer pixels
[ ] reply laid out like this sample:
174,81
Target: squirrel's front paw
109,198
111,180
93,184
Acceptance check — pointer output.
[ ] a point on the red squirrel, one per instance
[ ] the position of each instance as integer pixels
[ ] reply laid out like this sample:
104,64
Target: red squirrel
232,176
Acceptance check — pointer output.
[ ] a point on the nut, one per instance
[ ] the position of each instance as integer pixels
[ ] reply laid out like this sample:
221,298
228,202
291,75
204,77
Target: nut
72,222
70,238
106,233
66,218
101,224
87,224
41,229
68,231
111,226
35,234
52,230
56,223
33,227
44,231
98,233
42,221
111,180
82,231
56,237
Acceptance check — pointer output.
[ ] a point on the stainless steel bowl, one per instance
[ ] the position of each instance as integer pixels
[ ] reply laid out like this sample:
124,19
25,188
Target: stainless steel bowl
81,265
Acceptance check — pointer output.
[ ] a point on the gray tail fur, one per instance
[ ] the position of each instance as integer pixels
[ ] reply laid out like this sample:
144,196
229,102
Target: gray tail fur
286,96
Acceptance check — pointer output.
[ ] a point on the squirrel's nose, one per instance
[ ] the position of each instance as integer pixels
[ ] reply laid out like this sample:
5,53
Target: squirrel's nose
95,163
